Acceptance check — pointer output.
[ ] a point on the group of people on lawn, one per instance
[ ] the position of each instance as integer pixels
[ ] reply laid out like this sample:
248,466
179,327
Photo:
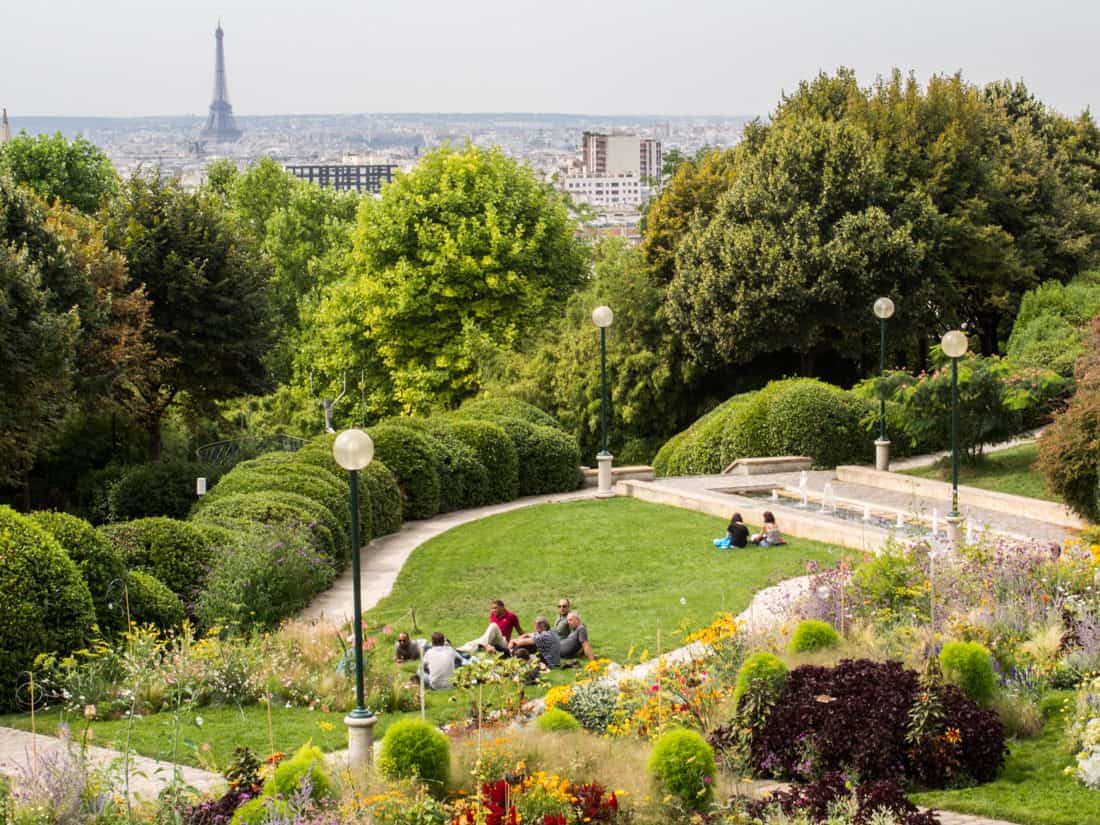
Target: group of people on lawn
548,644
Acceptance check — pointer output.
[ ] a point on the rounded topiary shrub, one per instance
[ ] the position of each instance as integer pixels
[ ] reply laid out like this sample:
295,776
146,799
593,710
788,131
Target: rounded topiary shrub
379,485
151,602
267,574
490,408
281,508
159,489
46,606
462,478
287,778
809,417
682,765
412,458
173,551
761,669
300,479
813,634
557,720
549,460
99,563
496,453
414,749
969,666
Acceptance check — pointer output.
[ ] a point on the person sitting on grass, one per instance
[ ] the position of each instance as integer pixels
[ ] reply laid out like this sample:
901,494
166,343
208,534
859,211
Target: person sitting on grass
498,634
769,535
561,625
438,663
545,640
406,649
737,531
576,643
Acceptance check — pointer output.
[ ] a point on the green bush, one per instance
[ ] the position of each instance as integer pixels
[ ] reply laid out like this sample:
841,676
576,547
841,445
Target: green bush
281,508
260,811
288,776
1068,457
490,408
497,454
462,477
290,477
173,551
379,485
414,461
549,460
151,602
810,417
969,666
762,668
813,634
263,577
415,749
593,704
99,562
46,606
159,489
890,587
557,720
1049,330
682,765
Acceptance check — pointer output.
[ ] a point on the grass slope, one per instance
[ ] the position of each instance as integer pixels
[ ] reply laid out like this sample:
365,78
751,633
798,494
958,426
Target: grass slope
1005,471
631,569
1033,790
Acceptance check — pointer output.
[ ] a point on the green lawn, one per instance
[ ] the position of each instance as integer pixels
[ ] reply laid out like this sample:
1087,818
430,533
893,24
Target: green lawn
1033,790
631,569
1005,471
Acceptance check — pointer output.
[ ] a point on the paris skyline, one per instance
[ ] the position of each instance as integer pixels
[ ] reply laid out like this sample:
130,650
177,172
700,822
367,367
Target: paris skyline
126,59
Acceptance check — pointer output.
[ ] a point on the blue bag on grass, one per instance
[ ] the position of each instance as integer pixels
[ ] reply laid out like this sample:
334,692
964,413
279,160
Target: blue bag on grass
723,543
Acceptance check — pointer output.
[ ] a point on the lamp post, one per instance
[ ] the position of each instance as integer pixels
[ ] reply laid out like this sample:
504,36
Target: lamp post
354,450
954,346
602,318
884,310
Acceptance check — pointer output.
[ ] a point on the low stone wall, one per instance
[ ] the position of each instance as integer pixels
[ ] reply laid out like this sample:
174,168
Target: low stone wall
638,472
1048,511
802,525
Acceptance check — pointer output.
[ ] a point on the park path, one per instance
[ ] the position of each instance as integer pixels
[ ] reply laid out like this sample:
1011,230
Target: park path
24,754
914,461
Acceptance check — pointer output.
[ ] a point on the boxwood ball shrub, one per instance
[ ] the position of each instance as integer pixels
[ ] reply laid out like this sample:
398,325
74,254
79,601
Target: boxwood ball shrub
765,669
379,485
46,606
281,508
813,634
489,408
497,454
415,749
261,578
462,477
151,602
682,764
557,720
99,562
287,778
173,551
969,666
415,463
549,460
300,479
855,718
809,417
159,489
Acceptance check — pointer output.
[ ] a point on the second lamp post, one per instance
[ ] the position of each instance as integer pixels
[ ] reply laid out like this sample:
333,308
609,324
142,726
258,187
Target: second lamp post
602,318
954,346
884,309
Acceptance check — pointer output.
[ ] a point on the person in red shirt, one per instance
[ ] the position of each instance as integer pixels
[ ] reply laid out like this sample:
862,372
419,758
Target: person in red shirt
502,622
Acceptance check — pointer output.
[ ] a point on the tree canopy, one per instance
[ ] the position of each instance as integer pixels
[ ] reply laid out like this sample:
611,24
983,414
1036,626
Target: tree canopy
76,171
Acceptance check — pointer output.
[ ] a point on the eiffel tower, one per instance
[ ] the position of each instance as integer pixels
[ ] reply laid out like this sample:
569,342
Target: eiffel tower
221,126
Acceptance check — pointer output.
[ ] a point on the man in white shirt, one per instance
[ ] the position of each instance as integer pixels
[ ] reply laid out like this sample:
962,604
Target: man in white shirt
438,663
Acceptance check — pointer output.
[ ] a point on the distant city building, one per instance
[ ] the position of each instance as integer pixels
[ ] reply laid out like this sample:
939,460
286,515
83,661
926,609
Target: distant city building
622,155
346,177
221,126
606,191
5,128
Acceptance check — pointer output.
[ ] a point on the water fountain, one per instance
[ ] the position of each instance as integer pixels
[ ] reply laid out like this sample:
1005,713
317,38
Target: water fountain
802,481
775,494
969,531
935,522
827,494
866,512
901,519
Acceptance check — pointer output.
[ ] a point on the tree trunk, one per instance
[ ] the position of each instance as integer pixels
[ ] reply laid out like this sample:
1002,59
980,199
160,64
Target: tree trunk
988,334
155,440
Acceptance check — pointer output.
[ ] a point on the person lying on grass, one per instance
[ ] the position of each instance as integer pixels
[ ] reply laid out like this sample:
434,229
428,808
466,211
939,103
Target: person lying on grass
544,640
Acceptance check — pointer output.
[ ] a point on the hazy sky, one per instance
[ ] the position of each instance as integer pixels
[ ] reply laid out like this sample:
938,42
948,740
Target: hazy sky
152,57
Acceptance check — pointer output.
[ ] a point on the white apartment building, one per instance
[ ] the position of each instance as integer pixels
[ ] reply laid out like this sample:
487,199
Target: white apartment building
606,191
615,155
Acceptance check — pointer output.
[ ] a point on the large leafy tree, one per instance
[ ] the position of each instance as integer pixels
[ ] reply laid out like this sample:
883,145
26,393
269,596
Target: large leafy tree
467,253
211,317
77,172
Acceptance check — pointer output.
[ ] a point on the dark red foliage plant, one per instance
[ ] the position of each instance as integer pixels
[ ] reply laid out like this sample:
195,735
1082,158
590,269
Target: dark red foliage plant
814,800
854,719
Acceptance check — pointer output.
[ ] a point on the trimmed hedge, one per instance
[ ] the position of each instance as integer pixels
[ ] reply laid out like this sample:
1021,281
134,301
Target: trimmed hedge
151,602
262,578
797,416
462,477
497,454
159,489
173,551
549,460
414,460
100,564
490,408
46,605
281,508
286,478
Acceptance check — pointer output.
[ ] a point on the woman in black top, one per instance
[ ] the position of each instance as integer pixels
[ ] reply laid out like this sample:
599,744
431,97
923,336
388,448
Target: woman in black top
737,531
